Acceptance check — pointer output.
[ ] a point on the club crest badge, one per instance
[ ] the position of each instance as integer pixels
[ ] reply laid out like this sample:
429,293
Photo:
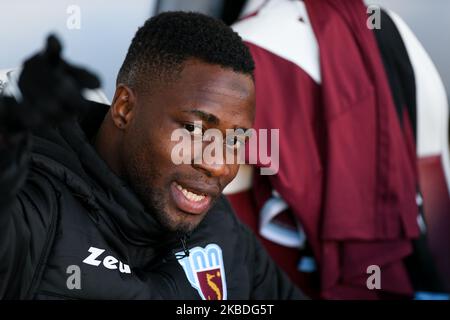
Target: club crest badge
205,271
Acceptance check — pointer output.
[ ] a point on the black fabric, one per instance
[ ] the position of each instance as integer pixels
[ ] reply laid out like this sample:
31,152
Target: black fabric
231,10
58,199
398,68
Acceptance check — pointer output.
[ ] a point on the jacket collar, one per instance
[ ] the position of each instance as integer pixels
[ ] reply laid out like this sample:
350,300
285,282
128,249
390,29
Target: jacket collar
66,153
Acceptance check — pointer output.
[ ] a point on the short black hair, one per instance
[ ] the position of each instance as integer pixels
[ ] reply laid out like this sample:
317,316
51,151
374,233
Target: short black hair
166,40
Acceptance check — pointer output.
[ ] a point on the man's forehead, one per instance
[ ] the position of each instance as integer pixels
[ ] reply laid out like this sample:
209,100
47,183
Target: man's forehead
224,88
222,92
215,79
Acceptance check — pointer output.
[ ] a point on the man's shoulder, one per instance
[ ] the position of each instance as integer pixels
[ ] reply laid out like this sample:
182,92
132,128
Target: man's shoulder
40,193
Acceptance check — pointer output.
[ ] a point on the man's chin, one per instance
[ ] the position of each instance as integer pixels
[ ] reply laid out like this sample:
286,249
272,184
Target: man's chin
182,228
181,222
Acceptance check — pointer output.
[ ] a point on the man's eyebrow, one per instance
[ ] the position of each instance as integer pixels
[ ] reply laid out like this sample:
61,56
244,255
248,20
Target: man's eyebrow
208,117
205,116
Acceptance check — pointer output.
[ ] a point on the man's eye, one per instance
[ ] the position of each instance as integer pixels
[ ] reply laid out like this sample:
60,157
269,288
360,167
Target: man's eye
234,142
193,129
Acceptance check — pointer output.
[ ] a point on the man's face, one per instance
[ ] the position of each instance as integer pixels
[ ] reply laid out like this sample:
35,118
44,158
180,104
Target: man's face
180,195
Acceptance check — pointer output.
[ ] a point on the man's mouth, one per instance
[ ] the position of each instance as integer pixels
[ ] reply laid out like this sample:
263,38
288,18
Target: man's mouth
190,200
190,195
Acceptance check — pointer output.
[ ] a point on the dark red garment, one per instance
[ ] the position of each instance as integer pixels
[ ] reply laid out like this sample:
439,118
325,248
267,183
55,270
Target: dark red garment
287,258
346,169
437,209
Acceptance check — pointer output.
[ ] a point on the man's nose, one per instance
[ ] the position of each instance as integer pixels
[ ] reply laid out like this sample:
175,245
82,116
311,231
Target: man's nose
215,169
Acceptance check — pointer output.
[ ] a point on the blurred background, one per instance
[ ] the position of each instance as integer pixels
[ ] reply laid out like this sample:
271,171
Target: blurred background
107,26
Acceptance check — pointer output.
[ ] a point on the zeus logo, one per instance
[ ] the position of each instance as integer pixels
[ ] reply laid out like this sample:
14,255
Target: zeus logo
109,262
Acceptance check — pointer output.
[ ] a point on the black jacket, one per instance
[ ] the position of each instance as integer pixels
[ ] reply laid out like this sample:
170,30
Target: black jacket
61,208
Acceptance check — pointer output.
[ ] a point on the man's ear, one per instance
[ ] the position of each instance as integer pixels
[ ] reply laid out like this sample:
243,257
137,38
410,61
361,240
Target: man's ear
123,106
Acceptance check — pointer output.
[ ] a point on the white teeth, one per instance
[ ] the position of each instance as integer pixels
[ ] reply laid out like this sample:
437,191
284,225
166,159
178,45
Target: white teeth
190,195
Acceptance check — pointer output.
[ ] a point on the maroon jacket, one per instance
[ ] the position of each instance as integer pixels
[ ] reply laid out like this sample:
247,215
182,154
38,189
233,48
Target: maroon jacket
347,161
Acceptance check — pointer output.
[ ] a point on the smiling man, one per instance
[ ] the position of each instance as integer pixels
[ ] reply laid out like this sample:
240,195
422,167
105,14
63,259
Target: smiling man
142,118
92,205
